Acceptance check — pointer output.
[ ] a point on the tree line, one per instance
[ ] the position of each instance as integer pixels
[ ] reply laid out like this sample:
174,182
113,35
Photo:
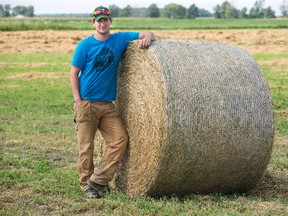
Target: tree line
226,10
7,11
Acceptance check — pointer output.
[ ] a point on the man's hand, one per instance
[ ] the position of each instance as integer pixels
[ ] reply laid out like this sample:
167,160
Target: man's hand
145,43
76,102
146,39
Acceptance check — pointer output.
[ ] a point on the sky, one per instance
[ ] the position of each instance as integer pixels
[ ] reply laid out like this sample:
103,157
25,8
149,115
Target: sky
87,6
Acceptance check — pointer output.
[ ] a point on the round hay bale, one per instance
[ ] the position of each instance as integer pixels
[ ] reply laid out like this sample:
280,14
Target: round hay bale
199,117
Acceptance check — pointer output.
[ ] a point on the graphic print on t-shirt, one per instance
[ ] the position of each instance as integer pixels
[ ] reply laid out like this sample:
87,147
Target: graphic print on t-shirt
103,59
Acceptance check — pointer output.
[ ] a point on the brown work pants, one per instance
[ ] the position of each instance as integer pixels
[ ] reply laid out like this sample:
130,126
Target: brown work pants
90,116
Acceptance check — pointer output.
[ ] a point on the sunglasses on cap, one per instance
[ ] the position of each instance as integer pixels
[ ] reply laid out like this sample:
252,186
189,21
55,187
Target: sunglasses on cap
101,11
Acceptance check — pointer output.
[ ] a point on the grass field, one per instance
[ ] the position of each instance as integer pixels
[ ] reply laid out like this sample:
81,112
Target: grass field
38,146
12,24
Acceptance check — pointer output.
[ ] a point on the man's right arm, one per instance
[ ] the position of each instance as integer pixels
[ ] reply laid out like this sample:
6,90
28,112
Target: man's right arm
74,83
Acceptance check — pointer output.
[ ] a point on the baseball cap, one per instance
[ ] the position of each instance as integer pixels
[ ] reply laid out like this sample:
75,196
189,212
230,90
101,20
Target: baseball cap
101,12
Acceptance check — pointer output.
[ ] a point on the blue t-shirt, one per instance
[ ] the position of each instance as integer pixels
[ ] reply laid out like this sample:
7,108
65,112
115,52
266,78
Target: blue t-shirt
99,62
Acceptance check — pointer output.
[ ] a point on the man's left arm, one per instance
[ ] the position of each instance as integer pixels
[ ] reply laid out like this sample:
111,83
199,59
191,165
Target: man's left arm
146,39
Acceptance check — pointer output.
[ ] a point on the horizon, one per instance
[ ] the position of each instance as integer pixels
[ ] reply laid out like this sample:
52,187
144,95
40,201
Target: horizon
73,6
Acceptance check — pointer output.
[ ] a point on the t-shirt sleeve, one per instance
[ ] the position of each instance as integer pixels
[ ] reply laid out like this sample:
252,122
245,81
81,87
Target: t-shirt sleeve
129,37
134,35
79,58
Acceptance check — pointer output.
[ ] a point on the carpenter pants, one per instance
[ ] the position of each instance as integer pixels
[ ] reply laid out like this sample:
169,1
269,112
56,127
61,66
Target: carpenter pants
90,116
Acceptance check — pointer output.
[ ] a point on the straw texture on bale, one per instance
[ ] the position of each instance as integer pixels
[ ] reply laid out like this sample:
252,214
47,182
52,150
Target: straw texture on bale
199,117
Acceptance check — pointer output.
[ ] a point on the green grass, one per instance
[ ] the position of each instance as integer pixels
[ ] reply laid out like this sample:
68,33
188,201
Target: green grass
13,24
38,151
278,79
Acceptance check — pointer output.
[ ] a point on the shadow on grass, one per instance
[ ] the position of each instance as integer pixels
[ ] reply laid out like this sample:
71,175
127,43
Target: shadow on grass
274,184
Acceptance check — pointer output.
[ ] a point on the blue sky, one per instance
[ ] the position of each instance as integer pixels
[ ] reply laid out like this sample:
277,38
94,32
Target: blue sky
86,6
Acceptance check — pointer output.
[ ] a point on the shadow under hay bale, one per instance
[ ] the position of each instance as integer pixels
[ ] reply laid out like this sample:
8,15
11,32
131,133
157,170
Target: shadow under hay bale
199,117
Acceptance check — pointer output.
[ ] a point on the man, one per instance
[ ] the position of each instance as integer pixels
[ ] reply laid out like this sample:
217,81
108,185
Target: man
93,79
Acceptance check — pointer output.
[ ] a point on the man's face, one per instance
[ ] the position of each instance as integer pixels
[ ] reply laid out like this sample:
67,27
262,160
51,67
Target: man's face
102,25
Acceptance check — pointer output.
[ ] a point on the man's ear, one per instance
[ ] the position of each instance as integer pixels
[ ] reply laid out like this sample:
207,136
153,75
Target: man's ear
93,21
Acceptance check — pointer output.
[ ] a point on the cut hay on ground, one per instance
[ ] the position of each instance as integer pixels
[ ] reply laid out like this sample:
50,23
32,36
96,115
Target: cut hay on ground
265,41
199,117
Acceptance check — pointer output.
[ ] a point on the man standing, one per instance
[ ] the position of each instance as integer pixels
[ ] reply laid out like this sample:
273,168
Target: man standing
93,79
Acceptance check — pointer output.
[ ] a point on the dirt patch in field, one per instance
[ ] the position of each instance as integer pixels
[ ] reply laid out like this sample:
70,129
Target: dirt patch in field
29,203
254,41
37,75
281,111
273,63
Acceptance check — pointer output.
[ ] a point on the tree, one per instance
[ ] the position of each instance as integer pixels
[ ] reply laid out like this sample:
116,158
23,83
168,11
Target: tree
138,12
125,12
192,12
257,11
243,13
269,13
174,11
18,10
230,11
152,11
5,10
218,13
22,10
114,10
2,11
284,8
226,10
30,11
204,13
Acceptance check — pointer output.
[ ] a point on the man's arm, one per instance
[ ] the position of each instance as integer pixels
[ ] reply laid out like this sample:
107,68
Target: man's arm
146,39
74,83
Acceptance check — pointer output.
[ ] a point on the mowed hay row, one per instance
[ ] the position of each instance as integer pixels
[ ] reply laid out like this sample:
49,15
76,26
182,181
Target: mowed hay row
199,117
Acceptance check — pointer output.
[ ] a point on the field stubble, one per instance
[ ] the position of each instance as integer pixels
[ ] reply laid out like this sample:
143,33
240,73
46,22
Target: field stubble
254,41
